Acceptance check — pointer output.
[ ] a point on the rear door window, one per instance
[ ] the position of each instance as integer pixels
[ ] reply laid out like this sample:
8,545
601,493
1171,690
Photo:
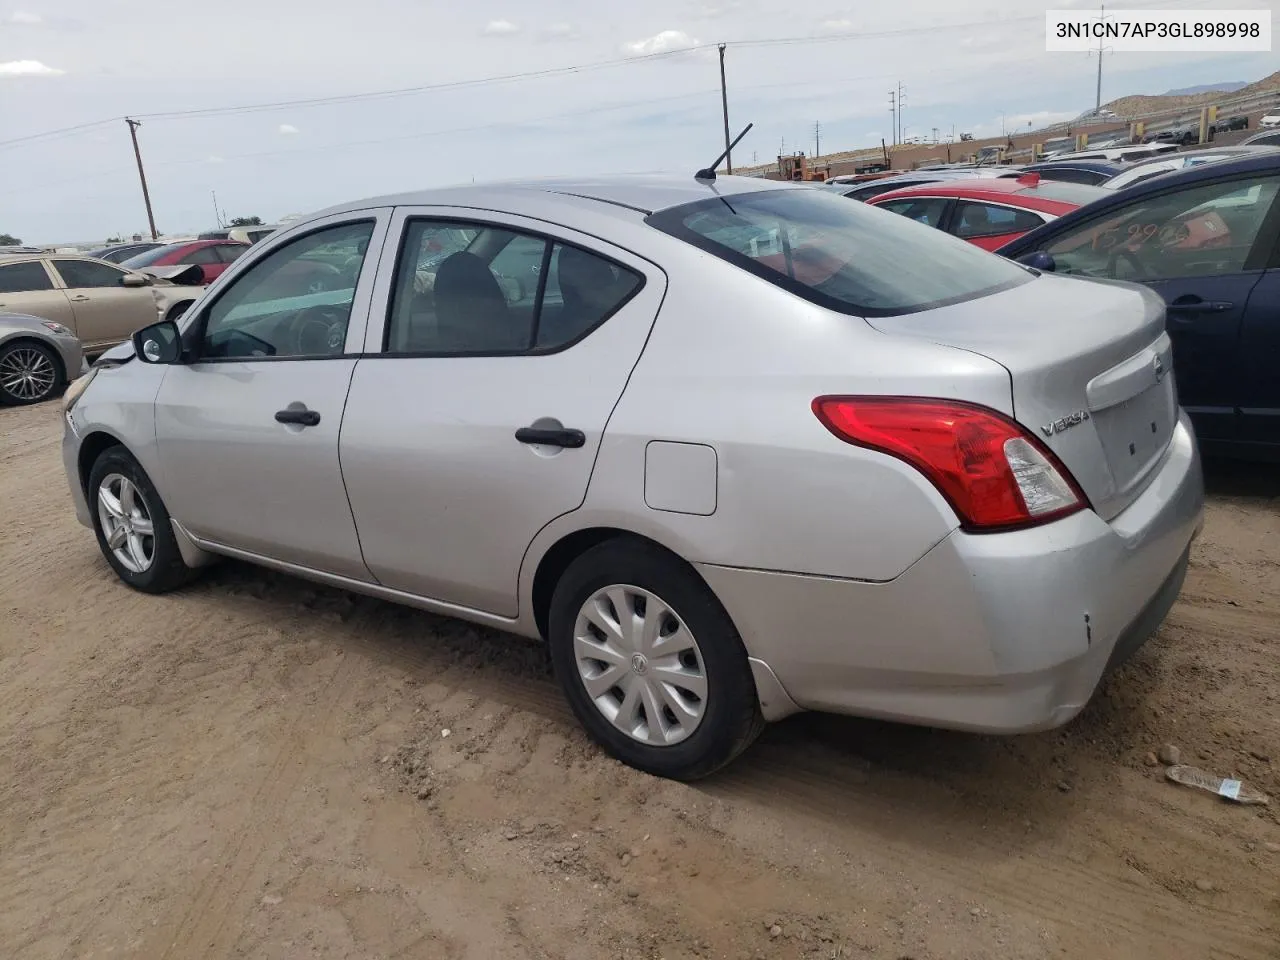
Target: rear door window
973,219
840,255
24,277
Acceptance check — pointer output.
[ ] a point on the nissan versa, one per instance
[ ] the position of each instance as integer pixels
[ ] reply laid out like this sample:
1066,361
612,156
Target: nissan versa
733,448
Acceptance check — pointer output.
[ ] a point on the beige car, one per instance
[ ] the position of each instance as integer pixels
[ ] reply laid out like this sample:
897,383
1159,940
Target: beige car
100,302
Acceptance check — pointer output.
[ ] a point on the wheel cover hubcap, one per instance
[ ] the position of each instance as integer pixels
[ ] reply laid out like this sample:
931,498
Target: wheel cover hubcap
26,373
640,665
126,523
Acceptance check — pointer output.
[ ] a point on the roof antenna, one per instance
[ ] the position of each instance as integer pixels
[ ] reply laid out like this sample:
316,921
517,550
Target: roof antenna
709,174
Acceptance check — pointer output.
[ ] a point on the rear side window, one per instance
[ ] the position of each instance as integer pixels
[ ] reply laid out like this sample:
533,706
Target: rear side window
973,219
844,256
229,252
465,289
24,277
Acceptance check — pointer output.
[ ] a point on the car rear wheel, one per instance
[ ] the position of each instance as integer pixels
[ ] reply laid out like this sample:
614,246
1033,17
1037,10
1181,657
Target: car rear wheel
132,524
29,373
650,662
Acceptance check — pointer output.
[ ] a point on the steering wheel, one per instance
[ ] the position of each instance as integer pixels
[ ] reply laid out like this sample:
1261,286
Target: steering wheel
325,277
1119,253
318,331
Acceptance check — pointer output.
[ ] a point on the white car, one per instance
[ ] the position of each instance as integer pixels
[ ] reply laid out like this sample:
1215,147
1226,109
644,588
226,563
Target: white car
1270,120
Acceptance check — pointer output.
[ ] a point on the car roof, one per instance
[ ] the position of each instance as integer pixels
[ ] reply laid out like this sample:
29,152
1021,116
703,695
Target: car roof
1202,173
640,193
1003,190
1093,166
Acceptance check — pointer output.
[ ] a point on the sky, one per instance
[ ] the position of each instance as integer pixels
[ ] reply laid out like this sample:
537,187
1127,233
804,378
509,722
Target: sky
640,100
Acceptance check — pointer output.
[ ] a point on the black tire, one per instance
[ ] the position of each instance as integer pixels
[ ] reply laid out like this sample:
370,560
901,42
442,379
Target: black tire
167,571
35,356
731,720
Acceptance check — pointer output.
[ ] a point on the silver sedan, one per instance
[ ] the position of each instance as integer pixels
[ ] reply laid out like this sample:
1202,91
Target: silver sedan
38,357
733,449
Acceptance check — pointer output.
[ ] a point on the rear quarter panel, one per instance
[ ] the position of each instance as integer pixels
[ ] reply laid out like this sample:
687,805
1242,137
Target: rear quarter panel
735,363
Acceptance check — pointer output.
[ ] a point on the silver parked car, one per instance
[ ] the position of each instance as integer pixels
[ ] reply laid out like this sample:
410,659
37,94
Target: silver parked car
38,358
734,449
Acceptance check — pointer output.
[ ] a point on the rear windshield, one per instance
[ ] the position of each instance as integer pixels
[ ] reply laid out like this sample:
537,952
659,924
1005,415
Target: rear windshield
1067,192
844,256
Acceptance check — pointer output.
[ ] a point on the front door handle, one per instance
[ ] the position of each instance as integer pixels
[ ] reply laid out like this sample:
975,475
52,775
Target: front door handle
80,299
302,417
552,437
1196,305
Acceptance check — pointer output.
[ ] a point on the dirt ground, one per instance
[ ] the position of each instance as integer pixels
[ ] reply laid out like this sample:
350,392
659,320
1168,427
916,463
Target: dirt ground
258,768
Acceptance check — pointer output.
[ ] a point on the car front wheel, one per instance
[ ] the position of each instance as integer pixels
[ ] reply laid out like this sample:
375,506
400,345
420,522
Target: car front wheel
132,524
29,373
650,662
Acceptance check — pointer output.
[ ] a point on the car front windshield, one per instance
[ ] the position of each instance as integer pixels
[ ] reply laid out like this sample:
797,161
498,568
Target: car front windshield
845,256
146,259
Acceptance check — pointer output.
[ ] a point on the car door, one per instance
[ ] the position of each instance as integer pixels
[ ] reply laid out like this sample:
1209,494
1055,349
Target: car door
28,287
1203,248
1260,359
991,225
247,427
106,311
475,415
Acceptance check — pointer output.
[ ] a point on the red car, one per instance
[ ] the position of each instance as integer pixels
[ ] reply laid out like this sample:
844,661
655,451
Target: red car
989,212
213,256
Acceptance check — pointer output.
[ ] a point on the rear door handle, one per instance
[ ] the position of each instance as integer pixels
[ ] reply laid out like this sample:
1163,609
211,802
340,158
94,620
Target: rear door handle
80,299
303,417
562,437
1200,306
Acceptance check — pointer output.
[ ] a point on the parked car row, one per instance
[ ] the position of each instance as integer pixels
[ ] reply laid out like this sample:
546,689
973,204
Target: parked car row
732,448
98,302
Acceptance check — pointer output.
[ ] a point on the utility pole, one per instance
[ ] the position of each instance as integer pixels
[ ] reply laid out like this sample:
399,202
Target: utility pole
146,195
902,99
217,217
893,111
1102,14
724,104
817,139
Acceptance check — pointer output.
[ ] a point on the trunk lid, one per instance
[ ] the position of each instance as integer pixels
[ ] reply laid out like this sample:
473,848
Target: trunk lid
1090,367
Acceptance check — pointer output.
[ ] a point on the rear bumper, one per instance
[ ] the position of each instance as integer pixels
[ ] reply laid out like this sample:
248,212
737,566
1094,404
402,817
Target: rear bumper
1004,633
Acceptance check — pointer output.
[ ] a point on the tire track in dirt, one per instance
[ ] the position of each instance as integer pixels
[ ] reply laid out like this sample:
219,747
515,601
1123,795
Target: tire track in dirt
202,929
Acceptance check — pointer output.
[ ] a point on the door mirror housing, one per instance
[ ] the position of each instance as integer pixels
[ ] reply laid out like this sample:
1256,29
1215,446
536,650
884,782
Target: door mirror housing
1039,260
159,343
134,280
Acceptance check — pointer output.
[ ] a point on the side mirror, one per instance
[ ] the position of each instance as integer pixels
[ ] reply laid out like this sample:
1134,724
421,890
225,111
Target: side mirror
1039,260
134,280
159,343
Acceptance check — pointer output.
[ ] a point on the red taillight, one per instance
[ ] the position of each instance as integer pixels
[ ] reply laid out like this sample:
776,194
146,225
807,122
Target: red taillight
994,473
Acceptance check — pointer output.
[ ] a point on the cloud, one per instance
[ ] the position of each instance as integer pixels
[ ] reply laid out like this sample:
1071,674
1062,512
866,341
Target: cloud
668,41
214,158
24,18
28,68
500,28
836,26
288,129
719,9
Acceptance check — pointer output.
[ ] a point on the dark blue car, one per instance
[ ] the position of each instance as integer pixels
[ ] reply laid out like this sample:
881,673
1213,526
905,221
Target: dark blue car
1207,239
1092,172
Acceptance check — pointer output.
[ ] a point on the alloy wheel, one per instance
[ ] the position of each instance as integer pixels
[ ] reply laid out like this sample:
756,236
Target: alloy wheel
27,373
126,523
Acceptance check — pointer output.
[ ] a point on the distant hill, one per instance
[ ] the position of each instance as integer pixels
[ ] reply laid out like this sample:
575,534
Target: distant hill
1206,88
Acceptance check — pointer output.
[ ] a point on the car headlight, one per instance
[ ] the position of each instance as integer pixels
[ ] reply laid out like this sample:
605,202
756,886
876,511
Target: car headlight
57,329
76,388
